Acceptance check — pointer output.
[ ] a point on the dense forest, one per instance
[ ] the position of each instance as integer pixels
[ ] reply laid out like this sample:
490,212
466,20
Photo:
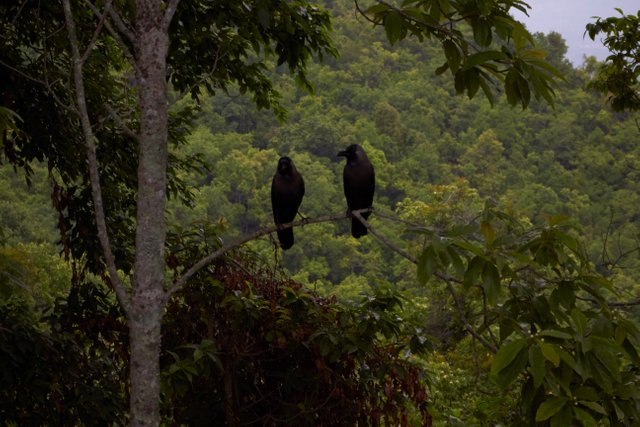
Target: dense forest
443,162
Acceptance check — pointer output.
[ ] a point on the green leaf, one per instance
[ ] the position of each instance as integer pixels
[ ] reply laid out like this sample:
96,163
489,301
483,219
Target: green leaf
394,26
562,418
606,356
569,360
488,232
509,362
441,69
427,263
536,363
579,321
550,407
456,261
555,334
584,417
519,35
596,407
586,393
452,54
550,352
627,391
491,282
511,86
487,90
482,57
481,32
474,269
377,8
472,80
523,89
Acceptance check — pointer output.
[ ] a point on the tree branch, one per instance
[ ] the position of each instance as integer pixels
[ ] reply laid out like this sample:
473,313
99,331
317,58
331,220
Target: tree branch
460,308
202,78
96,33
125,129
172,6
122,27
182,280
443,277
96,191
384,240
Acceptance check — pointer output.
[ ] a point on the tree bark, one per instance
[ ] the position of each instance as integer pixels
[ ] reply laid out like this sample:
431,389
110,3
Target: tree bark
148,297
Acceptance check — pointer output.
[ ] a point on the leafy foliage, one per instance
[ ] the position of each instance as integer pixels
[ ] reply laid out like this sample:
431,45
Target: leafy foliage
618,76
500,51
244,344
573,355
65,367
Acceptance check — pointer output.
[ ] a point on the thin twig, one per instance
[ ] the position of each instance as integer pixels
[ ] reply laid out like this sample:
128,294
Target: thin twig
96,191
200,80
460,308
248,237
15,18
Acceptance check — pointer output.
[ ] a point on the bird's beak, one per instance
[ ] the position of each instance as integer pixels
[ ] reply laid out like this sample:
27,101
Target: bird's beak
343,153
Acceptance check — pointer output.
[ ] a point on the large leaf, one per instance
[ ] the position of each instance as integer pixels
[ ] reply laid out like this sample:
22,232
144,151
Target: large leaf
509,361
550,407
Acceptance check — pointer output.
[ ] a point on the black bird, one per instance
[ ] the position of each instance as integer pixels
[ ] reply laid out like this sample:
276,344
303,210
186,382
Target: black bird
287,190
359,185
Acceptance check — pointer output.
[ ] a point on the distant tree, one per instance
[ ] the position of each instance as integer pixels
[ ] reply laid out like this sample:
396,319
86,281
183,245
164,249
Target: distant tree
618,77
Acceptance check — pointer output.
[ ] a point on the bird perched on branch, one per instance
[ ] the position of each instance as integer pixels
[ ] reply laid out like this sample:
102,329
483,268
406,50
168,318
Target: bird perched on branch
359,184
287,190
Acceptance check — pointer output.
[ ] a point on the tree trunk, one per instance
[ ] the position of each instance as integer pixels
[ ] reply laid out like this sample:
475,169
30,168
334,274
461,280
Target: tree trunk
148,297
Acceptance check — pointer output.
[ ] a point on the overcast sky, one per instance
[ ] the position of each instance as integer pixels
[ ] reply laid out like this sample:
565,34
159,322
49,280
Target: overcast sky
569,17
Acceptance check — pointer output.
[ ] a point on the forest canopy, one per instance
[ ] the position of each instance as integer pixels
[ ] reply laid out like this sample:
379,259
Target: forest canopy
498,283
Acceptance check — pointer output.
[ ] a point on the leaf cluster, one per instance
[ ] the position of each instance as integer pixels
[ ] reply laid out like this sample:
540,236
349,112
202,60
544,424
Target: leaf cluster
618,76
572,355
500,51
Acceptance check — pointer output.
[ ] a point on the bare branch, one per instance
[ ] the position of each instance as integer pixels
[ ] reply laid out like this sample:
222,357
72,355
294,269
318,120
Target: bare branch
26,76
248,237
384,240
96,33
172,6
460,308
130,35
92,159
15,18
126,129
120,24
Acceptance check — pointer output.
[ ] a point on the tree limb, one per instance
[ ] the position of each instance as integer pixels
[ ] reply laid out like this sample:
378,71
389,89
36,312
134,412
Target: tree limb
182,280
92,159
172,6
122,28
96,33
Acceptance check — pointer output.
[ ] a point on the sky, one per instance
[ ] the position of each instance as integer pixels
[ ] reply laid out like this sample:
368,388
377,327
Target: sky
569,17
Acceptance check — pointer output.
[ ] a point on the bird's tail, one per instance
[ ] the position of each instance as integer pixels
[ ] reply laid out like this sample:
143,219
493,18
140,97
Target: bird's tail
357,228
285,237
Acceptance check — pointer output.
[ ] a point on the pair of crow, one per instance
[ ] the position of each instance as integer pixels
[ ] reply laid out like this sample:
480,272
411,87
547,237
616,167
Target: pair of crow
287,190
